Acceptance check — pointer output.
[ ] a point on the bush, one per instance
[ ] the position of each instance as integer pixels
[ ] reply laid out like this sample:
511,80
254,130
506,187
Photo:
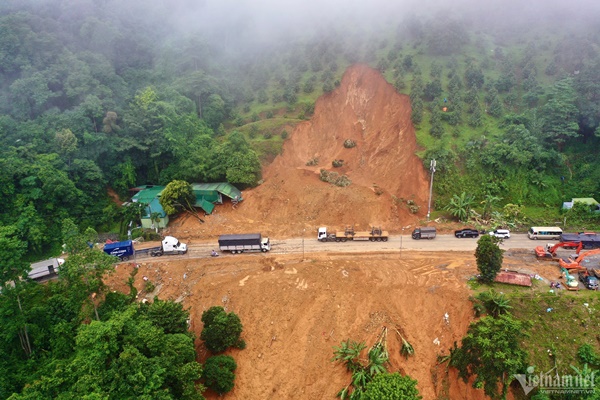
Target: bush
221,329
284,135
337,163
334,178
348,143
312,162
149,287
218,373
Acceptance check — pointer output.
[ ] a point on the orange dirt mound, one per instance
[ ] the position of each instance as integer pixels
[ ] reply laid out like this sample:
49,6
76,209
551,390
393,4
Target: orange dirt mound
383,167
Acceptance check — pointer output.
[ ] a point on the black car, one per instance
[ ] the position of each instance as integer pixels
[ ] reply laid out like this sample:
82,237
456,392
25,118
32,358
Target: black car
466,233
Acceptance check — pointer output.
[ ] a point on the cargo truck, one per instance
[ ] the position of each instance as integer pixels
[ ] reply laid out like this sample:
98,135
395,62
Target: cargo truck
247,242
123,249
374,235
44,270
587,240
426,232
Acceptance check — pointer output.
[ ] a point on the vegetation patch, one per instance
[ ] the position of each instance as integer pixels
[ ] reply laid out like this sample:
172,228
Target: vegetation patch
334,178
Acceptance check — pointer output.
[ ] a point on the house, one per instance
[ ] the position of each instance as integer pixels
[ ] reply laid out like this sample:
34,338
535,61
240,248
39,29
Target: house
150,195
567,205
207,195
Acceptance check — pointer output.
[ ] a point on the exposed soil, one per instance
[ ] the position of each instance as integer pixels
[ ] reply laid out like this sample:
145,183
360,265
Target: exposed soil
382,167
294,312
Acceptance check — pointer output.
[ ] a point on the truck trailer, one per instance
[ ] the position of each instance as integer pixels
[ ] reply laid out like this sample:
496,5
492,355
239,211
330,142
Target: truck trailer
426,232
374,235
246,242
44,270
123,249
588,240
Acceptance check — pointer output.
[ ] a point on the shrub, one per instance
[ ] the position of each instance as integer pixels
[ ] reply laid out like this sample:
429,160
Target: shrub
337,163
149,287
268,135
218,373
334,178
221,329
284,135
348,143
270,114
312,162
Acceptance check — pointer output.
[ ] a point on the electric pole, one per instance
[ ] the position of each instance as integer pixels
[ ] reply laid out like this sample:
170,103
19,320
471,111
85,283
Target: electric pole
432,170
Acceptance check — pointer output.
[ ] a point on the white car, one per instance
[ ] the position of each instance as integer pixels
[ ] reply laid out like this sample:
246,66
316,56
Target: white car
501,233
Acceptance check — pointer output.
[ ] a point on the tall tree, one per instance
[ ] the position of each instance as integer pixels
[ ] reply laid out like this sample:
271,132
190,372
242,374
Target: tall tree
491,351
560,113
489,258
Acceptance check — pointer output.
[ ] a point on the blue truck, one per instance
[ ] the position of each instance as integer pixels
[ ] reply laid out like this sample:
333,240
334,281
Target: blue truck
123,249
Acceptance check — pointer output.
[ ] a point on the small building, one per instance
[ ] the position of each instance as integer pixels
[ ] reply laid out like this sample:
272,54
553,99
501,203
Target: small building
567,205
207,196
150,195
42,271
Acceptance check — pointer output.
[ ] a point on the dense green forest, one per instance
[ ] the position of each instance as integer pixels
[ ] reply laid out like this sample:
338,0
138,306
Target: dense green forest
99,94
91,98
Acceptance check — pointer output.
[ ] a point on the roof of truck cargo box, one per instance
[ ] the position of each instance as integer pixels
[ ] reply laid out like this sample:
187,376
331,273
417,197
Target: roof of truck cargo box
240,236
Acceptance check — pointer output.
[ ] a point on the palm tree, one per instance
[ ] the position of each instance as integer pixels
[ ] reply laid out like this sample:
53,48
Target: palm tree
460,206
488,202
494,303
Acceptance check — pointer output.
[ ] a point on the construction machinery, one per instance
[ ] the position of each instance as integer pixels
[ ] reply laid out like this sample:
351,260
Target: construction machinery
570,264
571,282
549,251
374,235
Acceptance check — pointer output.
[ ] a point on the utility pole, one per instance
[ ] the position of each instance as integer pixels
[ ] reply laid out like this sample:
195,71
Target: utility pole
432,170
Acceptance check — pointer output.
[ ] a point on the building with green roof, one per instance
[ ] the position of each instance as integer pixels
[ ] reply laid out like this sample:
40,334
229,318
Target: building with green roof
206,194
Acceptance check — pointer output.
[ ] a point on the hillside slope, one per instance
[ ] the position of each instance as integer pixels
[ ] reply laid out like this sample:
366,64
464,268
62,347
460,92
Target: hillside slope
383,166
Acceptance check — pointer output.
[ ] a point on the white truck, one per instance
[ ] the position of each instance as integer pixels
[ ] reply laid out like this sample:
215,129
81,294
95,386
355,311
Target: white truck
169,245
246,242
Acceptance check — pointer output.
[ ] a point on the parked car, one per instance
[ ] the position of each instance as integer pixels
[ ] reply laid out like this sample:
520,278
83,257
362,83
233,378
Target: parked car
466,233
501,233
590,282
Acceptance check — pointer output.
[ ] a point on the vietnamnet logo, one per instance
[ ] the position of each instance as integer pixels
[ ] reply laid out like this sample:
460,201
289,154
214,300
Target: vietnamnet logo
552,383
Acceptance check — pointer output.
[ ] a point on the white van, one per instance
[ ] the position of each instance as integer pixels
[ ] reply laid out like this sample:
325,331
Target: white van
544,232
501,233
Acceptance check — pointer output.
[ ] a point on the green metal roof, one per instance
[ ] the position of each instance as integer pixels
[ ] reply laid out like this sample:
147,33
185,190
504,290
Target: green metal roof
145,196
154,207
208,207
206,194
224,188
585,200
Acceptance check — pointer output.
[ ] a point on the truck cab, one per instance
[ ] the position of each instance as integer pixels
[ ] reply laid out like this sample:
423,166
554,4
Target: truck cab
265,244
171,244
322,235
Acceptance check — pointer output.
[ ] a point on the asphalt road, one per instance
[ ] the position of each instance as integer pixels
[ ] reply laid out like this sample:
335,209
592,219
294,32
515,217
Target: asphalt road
396,243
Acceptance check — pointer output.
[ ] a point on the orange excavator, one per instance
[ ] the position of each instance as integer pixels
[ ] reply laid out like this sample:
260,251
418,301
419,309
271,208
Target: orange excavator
575,265
549,252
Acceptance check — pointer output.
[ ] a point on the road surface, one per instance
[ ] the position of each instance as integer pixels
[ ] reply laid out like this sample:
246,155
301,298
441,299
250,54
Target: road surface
396,243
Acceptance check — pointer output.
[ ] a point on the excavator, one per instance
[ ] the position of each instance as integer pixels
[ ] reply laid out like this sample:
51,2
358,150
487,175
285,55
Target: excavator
570,264
549,252
570,281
